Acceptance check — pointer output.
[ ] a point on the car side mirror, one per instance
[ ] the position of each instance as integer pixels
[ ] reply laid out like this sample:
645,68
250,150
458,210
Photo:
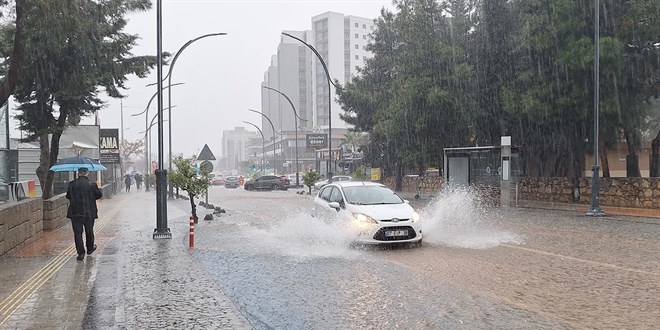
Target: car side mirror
334,205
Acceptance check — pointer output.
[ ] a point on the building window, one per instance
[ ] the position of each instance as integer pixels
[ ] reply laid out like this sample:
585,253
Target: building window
357,57
356,24
364,47
357,35
364,36
364,26
371,27
357,46
357,68
364,58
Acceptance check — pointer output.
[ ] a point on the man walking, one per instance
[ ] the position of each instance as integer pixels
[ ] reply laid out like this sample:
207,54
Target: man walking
82,195
138,180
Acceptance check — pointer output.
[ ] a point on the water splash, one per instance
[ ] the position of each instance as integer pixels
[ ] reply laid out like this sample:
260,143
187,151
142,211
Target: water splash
302,236
458,218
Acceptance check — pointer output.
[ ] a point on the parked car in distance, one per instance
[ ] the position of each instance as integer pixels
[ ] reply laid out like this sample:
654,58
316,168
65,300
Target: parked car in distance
372,212
270,182
217,180
231,182
292,179
337,178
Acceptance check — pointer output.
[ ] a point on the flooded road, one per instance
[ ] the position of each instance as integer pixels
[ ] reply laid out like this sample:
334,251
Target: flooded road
478,268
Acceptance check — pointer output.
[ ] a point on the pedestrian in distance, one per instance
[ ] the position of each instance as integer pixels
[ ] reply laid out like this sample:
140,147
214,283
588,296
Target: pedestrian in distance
138,181
127,182
82,195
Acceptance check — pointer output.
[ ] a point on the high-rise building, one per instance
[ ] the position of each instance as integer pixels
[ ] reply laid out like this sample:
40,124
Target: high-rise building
296,71
235,146
341,41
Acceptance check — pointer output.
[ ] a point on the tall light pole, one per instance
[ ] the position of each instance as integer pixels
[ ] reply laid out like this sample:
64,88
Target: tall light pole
147,155
161,230
274,132
263,146
295,119
147,148
330,82
595,210
169,97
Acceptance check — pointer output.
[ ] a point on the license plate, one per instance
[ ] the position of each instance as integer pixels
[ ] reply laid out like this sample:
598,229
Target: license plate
392,233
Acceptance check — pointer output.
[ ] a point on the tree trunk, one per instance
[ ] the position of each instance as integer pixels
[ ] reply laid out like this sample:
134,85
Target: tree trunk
655,157
632,160
9,82
193,207
604,163
399,176
44,167
47,158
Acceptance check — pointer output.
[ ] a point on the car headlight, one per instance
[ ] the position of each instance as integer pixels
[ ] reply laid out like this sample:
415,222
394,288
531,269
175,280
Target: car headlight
361,218
415,217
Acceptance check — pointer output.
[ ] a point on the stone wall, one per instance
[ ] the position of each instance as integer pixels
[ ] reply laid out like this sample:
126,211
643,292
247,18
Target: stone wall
20,224
432,184
619,192
55,212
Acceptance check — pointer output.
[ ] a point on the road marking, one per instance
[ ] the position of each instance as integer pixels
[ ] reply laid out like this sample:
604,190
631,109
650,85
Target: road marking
591,262
21,294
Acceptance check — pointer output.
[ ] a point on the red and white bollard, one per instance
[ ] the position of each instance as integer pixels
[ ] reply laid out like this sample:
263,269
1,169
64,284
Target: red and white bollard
191,241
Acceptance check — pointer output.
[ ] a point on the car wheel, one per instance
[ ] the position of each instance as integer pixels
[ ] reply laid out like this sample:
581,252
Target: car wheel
273,187
249,187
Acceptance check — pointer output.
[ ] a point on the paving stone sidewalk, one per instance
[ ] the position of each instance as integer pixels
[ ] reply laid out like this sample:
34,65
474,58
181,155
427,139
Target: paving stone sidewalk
131,282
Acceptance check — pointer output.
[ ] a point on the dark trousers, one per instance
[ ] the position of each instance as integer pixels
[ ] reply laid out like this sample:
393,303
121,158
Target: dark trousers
78,225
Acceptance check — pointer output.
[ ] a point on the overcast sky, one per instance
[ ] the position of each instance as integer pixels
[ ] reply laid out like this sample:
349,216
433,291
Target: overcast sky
222,75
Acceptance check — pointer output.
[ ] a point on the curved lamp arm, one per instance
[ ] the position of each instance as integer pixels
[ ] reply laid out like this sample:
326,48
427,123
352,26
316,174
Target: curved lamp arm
325,67
271,123
152,123
258,129
169,73
288,99
152,99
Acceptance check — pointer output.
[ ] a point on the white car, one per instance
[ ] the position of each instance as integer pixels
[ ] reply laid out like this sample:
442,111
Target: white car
372,212
292,179
337,178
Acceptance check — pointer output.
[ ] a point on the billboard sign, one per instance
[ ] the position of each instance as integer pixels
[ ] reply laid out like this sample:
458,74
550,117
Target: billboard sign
110,158
317,141
109,138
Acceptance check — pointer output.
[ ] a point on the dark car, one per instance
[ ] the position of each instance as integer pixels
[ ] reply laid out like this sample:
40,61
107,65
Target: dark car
271,182
231,182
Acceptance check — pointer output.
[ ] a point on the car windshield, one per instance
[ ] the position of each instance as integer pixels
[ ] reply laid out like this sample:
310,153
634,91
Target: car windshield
371,195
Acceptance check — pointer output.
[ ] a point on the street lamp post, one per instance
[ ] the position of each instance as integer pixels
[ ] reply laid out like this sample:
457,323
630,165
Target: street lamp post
169,97
295,119
595,210
330,82
274,132
263,146
147,148
161,230
147,154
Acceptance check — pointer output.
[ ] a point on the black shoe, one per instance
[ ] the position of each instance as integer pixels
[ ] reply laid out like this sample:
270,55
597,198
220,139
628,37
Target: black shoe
90,251
81,256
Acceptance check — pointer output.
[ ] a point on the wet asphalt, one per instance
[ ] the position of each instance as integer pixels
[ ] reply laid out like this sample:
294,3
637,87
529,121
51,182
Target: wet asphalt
479,268
267,264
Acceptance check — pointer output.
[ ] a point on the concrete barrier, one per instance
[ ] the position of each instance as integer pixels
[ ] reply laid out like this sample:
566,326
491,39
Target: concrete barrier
21,223
55,210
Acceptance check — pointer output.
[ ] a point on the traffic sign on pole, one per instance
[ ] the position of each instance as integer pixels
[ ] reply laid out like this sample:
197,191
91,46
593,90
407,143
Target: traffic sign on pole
206,154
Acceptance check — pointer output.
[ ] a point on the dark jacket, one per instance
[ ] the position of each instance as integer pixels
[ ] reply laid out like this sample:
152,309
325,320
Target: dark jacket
82,195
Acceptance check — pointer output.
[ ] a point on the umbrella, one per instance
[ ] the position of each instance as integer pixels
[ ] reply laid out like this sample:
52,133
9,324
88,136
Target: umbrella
74,163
